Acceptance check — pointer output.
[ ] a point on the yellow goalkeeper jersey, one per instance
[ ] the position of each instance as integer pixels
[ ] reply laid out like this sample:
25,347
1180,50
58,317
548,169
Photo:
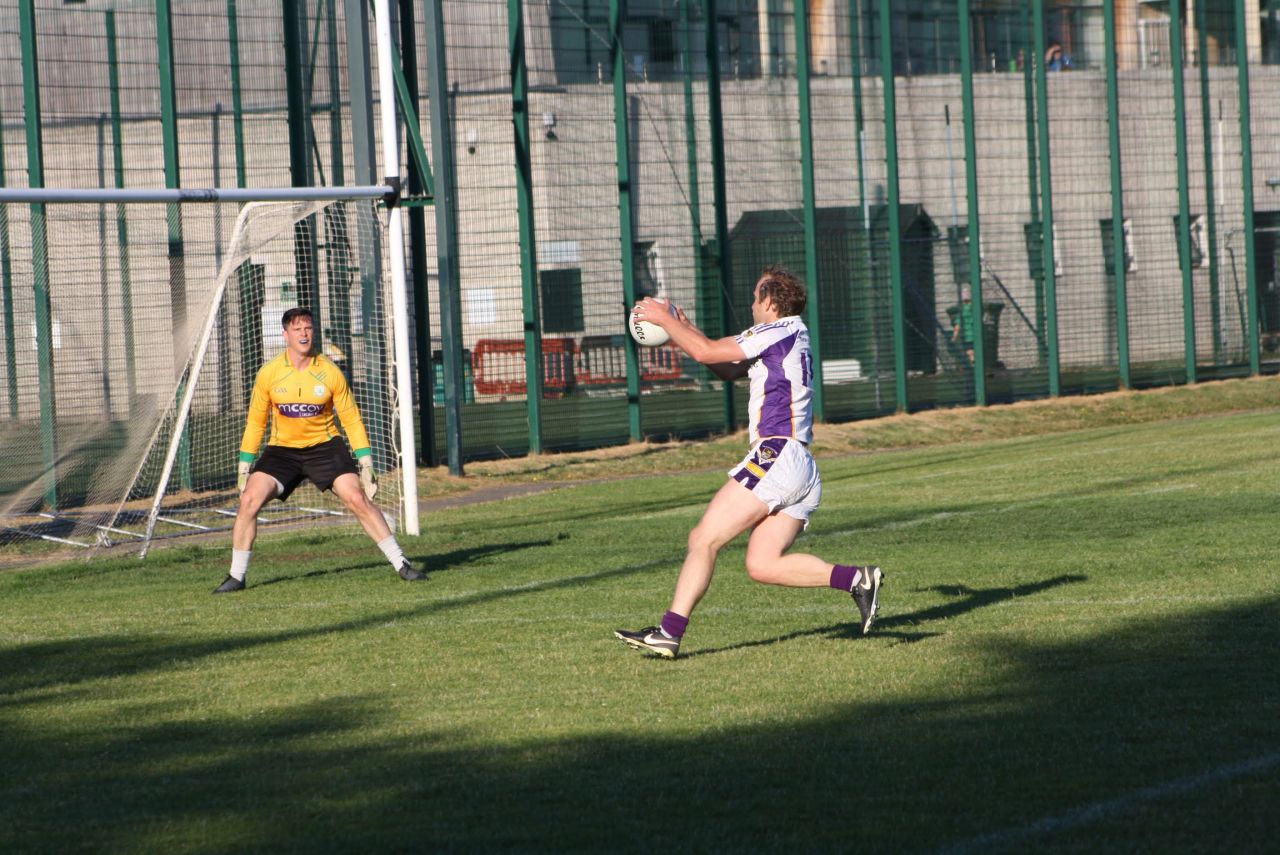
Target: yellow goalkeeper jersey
300,406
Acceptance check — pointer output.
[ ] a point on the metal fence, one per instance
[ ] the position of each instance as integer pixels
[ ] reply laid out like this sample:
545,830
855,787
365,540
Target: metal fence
1073,180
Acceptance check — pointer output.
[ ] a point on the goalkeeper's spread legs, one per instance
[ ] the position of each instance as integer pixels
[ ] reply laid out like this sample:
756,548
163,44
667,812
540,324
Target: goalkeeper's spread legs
261,488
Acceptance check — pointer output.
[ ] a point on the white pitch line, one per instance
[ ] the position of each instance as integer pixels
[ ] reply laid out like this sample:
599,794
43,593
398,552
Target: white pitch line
1097,811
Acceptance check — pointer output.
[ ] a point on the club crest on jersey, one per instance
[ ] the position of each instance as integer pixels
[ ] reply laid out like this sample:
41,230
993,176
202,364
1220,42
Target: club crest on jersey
299,411
319,390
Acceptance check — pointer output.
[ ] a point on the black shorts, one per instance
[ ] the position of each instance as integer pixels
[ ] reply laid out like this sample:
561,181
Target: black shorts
321,463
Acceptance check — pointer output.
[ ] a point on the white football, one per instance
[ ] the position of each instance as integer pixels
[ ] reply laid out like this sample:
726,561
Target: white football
647,334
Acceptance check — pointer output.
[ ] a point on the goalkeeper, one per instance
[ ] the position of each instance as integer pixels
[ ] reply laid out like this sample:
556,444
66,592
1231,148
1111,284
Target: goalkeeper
301,393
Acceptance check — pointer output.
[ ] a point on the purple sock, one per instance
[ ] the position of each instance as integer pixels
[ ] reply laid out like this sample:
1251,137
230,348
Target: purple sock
674,625
843,576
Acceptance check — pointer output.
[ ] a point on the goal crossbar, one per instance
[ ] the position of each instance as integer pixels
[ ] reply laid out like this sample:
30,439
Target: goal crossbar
103,195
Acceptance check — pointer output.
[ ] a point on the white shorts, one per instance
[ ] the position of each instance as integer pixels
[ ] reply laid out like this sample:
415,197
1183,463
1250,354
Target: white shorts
783,474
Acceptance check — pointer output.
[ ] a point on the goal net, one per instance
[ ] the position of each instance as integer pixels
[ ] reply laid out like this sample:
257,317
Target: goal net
161,461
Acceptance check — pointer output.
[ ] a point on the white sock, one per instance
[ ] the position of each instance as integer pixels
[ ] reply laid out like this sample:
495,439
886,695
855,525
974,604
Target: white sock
240,563
392,550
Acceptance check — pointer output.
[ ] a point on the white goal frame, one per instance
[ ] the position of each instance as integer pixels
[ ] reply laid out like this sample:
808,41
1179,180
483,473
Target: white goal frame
256,197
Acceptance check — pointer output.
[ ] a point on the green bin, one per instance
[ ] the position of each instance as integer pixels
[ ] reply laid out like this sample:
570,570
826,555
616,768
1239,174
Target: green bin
468,385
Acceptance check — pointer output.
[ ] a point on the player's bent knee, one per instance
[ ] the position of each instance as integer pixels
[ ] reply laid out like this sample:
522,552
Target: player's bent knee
704,541
764,571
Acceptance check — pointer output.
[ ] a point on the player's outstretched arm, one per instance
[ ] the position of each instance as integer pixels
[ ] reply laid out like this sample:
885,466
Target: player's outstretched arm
690,339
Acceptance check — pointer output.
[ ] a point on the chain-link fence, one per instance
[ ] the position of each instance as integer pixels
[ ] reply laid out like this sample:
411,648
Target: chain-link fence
989,200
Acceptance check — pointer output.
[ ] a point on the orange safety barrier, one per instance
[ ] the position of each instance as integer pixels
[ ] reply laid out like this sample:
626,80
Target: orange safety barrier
602,361
498,366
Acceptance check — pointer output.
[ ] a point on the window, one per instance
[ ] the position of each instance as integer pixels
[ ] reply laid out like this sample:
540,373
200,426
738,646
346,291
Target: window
1199,255
1197,241
1269,11
647,271
1108,250
561,293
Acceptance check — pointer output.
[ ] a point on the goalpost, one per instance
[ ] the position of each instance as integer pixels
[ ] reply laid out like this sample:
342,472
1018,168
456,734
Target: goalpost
150,449
314,249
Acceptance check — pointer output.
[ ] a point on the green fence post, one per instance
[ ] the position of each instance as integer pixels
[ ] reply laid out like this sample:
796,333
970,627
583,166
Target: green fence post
895,218
122,225
1046,195
172,177
418,182
337,225
1246,169
626,231
106,339
1029,66
298,97
1184,191
337,169
859,116
715,118
39,253
6,292
691,161
173,210
528,231
237,101
860,130
812,278
1210,213
446,207
1119,260
971,191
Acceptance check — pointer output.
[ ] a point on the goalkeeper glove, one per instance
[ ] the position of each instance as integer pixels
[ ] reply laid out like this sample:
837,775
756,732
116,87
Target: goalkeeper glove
368,478
242,475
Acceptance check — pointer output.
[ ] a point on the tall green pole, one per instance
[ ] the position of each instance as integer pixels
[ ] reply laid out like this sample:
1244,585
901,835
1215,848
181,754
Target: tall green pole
1184,190
298,96
813,313
626,229
336,154
859,116
971,191
895,218
172,178
528,232
39,253
1046,195
237,101
691,161
251,296
339,264
446,208
1029,66
1119,264
1211,206
122,225
417,245
6,292
1246,178
715,119
872,319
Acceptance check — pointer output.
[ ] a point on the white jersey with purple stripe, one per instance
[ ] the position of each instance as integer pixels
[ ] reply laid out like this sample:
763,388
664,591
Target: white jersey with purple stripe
781,379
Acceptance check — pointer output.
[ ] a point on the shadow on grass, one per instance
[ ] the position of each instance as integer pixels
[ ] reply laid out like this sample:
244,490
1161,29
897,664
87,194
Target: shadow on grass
1160,718
48,664
437,563
970,599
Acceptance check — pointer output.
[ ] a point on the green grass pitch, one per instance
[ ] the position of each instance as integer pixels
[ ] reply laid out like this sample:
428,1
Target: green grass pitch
1077,652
